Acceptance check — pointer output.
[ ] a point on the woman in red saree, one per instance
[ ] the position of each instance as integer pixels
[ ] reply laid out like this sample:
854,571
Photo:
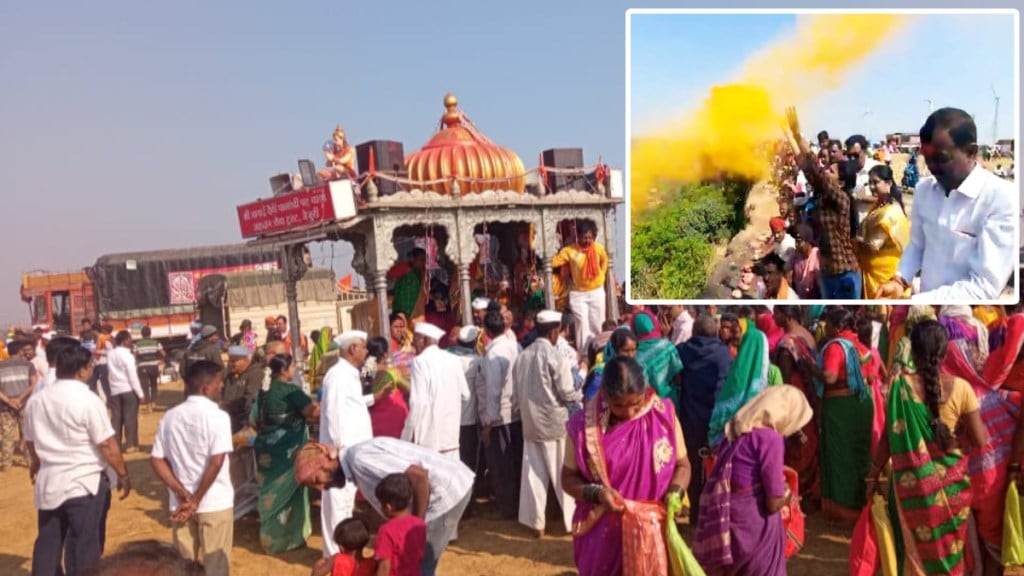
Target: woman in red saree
801,449
624,453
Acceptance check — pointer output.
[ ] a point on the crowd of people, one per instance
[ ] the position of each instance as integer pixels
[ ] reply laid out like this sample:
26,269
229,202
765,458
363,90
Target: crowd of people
846,230
752,416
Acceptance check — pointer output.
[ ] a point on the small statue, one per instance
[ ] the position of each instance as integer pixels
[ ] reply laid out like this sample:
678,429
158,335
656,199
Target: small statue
341,157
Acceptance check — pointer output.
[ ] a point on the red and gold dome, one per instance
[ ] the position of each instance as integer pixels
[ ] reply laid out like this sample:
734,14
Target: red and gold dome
459,151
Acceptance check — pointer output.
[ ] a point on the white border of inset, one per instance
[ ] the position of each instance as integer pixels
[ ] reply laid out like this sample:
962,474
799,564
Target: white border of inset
629,151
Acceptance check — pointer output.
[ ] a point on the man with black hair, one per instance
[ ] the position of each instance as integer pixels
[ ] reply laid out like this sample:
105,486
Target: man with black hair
588,263
148,557
125,391
501,430
70,443
190,452
773,271
149,353
52,348
857,153
962,228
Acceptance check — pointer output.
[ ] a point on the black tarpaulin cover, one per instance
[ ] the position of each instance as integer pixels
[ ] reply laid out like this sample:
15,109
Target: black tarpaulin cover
165,279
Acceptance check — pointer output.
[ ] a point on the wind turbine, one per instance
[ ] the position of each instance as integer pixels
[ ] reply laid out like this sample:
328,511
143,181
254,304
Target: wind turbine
995,117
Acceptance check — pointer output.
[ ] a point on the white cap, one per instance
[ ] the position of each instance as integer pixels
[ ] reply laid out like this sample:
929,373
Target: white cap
480,303
429,330
349,337
469,333
549,317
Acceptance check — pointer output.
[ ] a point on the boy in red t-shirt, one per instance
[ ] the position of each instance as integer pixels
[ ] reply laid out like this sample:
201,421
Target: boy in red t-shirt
351,536
402,540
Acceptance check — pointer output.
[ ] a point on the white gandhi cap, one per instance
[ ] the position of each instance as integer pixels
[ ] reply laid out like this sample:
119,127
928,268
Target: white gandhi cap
349,337
549,317
429,330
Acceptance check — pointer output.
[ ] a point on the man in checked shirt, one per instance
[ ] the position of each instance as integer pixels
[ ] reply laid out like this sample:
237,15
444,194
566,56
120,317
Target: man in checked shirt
841,278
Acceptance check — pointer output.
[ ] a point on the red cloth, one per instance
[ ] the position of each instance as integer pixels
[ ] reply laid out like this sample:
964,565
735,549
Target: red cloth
864,559
591,268
766,323
403,542
388,415
777,224
346,565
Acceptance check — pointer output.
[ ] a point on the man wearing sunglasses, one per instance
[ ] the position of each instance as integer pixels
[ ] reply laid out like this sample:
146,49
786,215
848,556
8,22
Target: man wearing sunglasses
962,239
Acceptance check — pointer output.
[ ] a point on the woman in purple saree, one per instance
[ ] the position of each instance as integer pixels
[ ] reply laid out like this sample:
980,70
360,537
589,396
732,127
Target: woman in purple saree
624,448
740,531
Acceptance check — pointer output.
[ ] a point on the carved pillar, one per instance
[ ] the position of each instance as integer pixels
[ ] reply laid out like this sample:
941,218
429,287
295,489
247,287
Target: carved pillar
380,292
293,269
610,288
466,293
549,293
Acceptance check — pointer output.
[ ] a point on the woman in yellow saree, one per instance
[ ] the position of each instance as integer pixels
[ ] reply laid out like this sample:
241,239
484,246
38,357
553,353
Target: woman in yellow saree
883,233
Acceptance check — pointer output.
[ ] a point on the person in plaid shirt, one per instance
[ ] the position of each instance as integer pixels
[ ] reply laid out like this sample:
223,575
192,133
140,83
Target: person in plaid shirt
841,277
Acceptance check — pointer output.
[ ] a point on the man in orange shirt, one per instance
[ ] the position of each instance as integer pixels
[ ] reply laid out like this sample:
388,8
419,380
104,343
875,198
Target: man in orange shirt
588,264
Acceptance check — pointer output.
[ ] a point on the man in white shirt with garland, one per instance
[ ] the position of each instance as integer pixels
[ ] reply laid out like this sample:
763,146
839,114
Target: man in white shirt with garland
962,238
190,455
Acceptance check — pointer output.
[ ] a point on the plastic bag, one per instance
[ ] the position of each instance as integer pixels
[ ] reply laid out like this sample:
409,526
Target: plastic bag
864,546
681,560
1013,529
884,536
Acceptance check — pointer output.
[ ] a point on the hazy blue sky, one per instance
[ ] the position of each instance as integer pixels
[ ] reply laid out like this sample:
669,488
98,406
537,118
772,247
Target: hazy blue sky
954,60
131,126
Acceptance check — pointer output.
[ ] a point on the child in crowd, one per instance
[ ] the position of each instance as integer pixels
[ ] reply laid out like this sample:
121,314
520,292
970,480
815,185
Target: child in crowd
402,540
351,536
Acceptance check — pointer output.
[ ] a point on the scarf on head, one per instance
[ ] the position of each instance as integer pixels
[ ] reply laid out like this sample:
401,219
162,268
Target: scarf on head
1001,362
591,267
781,408
962,325
748,376
645,326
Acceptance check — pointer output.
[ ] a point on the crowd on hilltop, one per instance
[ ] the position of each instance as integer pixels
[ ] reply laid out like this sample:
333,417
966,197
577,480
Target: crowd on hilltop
846,228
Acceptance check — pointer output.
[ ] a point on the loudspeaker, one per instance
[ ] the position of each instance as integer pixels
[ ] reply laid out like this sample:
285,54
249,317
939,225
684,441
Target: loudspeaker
280,184
564,158
388,156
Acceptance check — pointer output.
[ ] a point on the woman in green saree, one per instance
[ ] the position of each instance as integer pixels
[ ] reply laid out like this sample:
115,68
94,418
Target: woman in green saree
280,415
930,490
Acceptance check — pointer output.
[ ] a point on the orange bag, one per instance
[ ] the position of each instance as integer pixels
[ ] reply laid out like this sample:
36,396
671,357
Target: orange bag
643,540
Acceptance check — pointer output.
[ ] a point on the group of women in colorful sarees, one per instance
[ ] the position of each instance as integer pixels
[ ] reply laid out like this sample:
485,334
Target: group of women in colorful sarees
917,404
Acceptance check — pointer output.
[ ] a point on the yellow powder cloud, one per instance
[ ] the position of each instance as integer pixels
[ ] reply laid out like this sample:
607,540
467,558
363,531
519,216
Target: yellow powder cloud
723,135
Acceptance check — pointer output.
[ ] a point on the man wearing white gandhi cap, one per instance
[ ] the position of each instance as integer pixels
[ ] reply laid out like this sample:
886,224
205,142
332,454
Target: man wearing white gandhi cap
544,389
479,306
437,390
344,422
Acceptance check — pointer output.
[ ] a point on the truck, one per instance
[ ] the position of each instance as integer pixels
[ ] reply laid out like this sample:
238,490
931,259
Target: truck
155,288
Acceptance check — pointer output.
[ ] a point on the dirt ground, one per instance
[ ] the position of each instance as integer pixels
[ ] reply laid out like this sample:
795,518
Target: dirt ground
486,545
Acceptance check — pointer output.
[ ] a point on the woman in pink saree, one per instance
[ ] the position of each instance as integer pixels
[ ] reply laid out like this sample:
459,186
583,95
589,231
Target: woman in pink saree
624,454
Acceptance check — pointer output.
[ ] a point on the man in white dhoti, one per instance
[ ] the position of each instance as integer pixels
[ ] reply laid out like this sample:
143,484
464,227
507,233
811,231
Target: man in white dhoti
544,389
437,389
344,422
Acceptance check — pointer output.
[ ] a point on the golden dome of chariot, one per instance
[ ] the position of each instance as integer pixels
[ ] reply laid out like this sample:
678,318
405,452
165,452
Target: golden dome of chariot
459,151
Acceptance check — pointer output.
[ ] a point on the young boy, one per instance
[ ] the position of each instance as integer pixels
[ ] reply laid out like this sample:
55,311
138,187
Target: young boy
351,536
402,540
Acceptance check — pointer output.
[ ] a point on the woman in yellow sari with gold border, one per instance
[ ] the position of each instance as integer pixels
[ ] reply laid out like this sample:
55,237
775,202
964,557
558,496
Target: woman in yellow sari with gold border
883,233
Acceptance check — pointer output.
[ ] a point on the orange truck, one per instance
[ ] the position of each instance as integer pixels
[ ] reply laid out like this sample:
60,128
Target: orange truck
156,288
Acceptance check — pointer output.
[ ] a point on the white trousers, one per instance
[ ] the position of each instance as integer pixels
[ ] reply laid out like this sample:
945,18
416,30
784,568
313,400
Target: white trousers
542,467
589,310
336,505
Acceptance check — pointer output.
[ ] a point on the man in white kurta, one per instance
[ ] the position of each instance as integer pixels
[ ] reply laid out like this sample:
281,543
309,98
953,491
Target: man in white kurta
344,422
543,391
437,389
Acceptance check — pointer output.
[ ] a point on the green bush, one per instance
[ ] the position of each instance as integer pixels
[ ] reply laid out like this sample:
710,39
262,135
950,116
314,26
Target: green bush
673,244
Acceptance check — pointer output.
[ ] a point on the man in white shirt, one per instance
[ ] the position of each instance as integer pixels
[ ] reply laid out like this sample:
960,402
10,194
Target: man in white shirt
190,452
442,486
344,422
682,324
125,392
962,238
69,442
437,388
863,199
469,430
544,390
501,430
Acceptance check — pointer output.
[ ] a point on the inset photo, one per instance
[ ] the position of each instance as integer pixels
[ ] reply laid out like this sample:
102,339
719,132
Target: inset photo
825,155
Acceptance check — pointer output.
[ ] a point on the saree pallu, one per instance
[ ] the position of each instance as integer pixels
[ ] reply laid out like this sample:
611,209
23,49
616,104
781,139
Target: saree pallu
637,458
661,364
1000,409
931,488
747,377
803,456
887,230
283,504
